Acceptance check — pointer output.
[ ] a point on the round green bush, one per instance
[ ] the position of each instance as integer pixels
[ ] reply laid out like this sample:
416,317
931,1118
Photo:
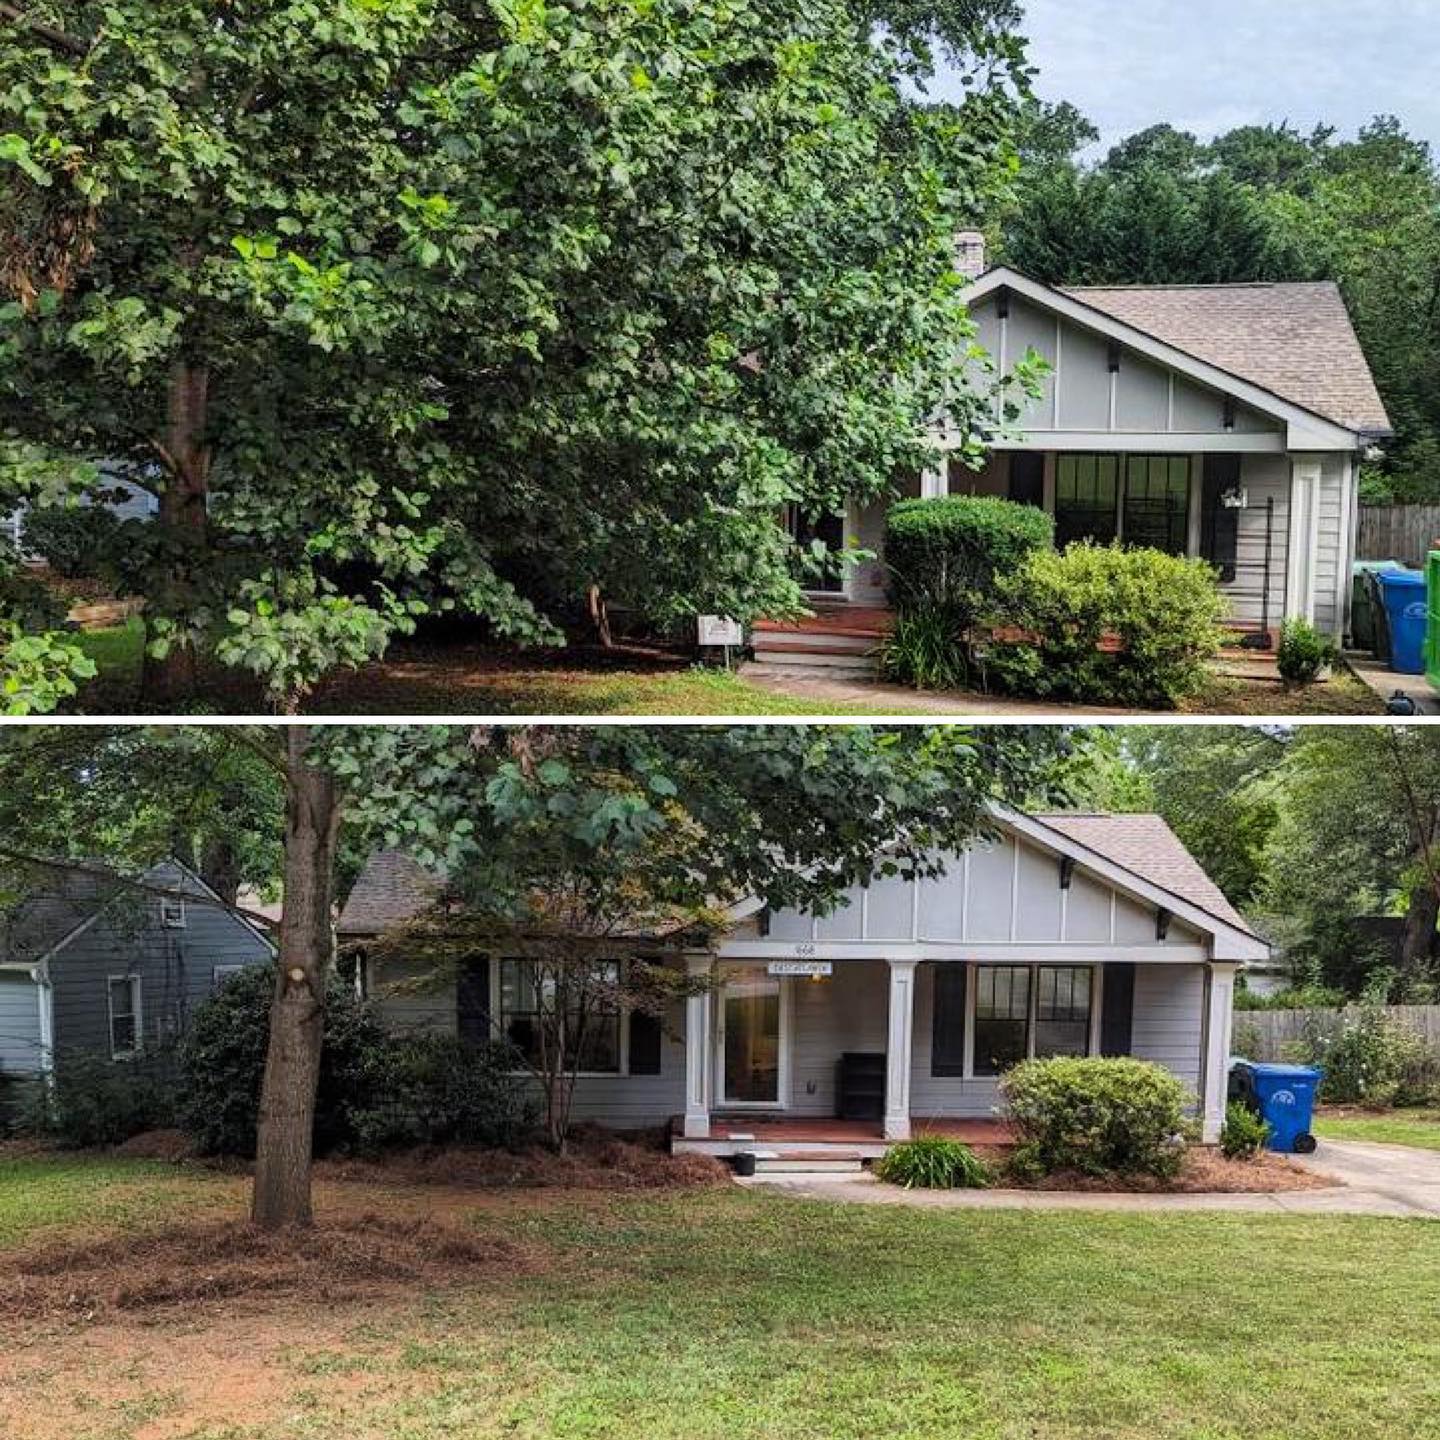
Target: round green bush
950,551
1106,625
931,1162
1304,653
222,1064
1244,1133
1098,1117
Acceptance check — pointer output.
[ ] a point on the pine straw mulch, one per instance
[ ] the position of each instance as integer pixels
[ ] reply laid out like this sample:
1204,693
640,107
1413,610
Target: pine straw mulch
345,1258
1205,1171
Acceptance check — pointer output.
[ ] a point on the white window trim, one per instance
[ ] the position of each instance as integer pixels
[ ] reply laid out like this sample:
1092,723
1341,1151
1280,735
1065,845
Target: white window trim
496,1025
137,1006
972,994
172,912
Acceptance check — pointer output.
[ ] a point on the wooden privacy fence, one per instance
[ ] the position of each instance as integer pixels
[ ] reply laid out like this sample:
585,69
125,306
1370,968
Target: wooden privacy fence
1278,1028
1398,532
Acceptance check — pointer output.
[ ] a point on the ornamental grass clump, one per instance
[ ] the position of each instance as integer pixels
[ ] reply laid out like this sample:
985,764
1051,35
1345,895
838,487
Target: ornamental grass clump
1118,1117
931,1162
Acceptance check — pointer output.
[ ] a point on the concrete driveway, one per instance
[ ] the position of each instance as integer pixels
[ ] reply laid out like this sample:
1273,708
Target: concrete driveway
1370,1180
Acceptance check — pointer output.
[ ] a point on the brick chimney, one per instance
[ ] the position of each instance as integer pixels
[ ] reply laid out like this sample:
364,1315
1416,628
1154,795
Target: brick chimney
970,253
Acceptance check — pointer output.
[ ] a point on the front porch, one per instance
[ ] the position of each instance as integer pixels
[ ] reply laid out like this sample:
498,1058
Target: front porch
826,1139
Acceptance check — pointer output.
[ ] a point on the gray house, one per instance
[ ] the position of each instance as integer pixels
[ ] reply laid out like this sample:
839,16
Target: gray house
1061,934
92,964
1225,422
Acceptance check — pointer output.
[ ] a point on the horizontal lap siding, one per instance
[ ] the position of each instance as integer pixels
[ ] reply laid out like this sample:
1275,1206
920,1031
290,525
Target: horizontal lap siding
176,967
1263,477
1331,545
1169,1002
849,1011
19,1025
942,1095
624,1101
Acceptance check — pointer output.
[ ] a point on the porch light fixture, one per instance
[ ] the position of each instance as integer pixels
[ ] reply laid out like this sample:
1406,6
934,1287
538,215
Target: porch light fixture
1067,870
1235,498
1162,924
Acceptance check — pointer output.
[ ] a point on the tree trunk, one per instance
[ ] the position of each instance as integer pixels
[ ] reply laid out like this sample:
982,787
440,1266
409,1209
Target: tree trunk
600,616
1419,940
184,522
297,1014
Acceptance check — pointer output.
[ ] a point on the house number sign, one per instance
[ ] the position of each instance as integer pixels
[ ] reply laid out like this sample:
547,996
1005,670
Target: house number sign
809,968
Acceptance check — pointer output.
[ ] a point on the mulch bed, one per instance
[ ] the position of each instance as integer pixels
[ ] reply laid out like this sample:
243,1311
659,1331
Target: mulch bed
1204,1172
344,1258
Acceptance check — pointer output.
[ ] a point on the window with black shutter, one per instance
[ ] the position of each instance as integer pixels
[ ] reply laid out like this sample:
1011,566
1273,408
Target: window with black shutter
472,1001
1117,1007
947,1040
646,1034
1027,478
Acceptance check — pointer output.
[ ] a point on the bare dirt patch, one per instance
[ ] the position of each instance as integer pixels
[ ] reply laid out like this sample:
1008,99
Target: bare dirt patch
344,1258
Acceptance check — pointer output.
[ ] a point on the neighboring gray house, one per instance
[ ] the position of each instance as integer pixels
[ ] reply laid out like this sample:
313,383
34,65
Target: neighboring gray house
1062,934
1220,421
125,499
92,964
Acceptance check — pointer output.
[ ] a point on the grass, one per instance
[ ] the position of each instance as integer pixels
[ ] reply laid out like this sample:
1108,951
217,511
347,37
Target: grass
730,1313
1418,1128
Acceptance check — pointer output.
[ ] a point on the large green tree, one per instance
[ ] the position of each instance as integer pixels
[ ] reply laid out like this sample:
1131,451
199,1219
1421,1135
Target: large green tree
405,305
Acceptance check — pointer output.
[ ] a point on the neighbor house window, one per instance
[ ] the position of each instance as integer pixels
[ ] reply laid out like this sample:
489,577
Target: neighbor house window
1025,1011
531,993
1087,495
125,1031
1143,500
172,913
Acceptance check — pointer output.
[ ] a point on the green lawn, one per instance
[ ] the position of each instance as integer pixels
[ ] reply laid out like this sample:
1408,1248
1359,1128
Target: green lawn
739,1314
1420,1128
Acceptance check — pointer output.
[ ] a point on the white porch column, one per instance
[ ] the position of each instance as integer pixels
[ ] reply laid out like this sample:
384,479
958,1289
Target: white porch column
897,1049
698,1045
1304,537
935,481
1215,1063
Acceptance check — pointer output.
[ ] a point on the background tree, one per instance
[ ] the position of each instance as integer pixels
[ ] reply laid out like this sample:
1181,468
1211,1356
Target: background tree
426,305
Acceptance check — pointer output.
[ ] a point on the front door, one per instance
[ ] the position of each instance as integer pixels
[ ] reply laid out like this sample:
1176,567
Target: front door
829,530
752,1037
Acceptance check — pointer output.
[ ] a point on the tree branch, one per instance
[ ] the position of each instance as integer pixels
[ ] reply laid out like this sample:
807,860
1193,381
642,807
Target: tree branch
70,44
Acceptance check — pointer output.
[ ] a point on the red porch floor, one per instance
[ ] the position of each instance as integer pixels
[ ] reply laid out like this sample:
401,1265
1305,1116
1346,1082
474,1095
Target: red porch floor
841,619
823,1131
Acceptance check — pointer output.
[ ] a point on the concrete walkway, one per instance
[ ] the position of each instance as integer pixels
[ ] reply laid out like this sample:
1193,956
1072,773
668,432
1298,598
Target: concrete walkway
1370,1180
1385,682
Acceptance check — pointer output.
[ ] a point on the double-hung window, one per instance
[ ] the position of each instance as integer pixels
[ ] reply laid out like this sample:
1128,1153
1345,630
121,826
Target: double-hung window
123,995
539,1000
1029,1011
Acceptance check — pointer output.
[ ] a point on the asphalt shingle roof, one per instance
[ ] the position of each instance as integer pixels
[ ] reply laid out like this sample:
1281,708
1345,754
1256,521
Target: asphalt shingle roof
391,889
43,919
1294,340
1149,847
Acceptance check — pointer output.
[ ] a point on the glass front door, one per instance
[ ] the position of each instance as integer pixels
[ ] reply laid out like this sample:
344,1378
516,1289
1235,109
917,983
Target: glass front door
750,1038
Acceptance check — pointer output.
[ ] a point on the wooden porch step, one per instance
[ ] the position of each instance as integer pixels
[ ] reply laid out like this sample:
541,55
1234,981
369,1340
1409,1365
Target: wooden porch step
807,1162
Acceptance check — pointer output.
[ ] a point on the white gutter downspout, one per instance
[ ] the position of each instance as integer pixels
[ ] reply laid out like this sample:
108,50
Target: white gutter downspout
45,1002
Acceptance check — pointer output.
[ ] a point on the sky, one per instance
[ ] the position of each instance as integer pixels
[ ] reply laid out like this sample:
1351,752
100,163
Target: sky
1210,65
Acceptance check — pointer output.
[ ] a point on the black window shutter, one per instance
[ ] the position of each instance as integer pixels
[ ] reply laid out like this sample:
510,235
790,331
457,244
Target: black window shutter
1117,1008
472,1001
1219,524
645,1041
1027,477
947,1037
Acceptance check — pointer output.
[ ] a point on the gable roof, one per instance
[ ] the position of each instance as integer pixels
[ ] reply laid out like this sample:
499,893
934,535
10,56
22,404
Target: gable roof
44,919
390,889
1294,339
1148,847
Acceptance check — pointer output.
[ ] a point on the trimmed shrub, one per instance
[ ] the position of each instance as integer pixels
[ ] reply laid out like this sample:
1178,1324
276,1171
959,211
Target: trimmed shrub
931,1162
945,558
1100,1117
1107,625
1244,1133
951,550
93,1100
222,1062
437,1090
73,540
1304,652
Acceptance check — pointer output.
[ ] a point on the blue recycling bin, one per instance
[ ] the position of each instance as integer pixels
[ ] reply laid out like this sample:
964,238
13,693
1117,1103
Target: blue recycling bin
1408,613
1284,1096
